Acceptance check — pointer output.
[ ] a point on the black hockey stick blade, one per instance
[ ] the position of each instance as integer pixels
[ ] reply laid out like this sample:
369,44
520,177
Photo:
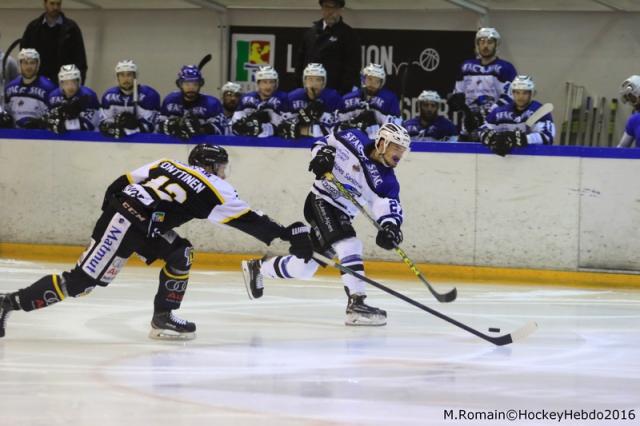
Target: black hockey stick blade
6,55
204,61
506,339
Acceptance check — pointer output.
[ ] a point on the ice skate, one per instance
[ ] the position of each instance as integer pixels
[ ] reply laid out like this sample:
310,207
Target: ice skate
253,278
166,326
359,313
5,310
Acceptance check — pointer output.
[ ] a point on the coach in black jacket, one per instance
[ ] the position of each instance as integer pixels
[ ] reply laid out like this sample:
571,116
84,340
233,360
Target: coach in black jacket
58,39
335,45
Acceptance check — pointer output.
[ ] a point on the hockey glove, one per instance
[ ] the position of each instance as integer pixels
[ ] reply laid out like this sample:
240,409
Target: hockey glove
247,127
55,121
312,112
171,126
323,162
110,130
288,130
34,123
127,120
519,138
390,236
189,127
6,121
500,143
456,102
472,120
366,118
297,234
71,110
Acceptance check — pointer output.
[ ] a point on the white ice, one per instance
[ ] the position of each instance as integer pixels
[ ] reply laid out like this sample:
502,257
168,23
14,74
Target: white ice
287,359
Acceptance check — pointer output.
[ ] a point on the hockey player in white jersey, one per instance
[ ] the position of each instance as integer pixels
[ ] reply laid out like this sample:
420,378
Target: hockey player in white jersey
505,127
366,169
128,108
27,97
72,106
630,93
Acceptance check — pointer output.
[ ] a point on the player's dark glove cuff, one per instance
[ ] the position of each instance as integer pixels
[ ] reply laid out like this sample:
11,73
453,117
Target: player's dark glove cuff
390,236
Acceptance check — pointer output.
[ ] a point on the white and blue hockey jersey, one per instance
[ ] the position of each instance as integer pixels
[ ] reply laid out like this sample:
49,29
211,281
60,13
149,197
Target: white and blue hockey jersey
440,129
485,84
631,131
277,106
507,118
27,101
89,108
205,108
384,104
115,102
331,102
371,183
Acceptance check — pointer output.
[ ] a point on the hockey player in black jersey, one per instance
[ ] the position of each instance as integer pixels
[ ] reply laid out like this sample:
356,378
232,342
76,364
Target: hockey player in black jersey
139,212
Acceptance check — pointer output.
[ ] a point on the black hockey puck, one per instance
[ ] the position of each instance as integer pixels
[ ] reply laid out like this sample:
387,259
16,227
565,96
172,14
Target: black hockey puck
494,330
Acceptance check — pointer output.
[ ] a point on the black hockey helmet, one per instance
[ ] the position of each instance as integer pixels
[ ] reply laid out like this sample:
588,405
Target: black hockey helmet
340,3
204,155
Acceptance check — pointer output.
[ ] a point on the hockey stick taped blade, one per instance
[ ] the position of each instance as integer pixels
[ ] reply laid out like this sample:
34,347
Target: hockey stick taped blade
538,114
524,331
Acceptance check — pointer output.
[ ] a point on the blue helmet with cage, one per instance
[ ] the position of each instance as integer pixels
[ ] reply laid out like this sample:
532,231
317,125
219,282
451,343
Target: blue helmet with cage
189,73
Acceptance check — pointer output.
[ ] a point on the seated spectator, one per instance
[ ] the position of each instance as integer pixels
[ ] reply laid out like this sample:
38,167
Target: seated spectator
370,106
429,125
72,106
261,112
505,127
186,112
231,95
314,107
129,107
27,96
630,93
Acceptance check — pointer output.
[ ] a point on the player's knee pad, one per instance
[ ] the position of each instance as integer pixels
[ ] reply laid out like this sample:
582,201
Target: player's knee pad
349,252
179,259
77,283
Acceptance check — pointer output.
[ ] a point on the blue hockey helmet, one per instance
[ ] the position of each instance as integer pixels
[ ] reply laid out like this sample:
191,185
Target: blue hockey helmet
189,73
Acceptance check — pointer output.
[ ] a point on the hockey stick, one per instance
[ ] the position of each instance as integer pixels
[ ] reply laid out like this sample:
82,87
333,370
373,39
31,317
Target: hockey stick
538,114
440,297
204,61
612,121
506,339
3,71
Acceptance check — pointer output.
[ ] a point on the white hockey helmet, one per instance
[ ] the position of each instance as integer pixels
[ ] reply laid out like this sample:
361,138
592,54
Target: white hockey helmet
232,87
487,32
374,70
393,133
522,82
126,65
28,54
631,86
429,96
266,72
69,72
314,70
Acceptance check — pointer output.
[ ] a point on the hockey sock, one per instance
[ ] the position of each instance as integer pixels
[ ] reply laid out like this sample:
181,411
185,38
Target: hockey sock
44,292
349,252
173,285
288,267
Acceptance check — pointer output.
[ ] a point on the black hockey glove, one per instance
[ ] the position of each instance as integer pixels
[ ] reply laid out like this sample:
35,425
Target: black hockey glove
366,118
297,234
456,102
6,121
127,120
247,127
518,138
171,127
34,123
390,236
110,130
288,130
55,121
71,110
323,162
189,127
312,112
472,120
500,143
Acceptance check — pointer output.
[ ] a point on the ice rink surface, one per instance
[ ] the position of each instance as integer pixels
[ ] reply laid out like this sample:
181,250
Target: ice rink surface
287,359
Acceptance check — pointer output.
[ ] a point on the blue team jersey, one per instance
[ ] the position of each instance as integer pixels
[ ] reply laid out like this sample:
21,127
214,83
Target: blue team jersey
485,84
632,127
89,105
384,104
207,109
440,129
277,106
26,101
507,118
330,100
115,102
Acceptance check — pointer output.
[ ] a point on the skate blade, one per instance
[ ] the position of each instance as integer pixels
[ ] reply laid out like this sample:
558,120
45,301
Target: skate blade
160,334
360,321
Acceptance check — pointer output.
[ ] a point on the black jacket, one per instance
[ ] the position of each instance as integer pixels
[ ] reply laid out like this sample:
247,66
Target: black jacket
338,49
57,46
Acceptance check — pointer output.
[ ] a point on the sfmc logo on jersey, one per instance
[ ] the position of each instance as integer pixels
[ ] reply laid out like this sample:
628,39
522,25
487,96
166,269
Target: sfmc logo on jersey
249,52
